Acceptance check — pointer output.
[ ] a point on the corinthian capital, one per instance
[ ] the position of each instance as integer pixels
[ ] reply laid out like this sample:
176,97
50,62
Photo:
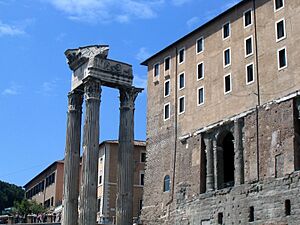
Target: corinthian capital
128,96
92,89
75,99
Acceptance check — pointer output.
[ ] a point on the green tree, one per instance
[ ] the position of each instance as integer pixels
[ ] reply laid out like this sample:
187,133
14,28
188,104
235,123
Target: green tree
26,207
9,193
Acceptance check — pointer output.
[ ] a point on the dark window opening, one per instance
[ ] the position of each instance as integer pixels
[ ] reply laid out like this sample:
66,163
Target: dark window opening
167,183
200,96
228,160
167,112
282,58
250,76
200,71
220,218
181,81
251,214
143,157
249,49
227,83
280,30
167,88
156,70
287,205
142,179
247,18
226,57
167,63
278,4
181,55
199,45
98,204
181,105
226,30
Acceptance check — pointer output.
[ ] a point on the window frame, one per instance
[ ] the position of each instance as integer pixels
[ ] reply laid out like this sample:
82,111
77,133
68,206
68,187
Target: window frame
229,33
283,5
225,66
245,46
165,71
246,68
276,30
169,184
198,71
198,96
181,97
154,69
227,92
140,178
141,156
169,91
278,58
182,49
202,45
169,114
251,17
181,88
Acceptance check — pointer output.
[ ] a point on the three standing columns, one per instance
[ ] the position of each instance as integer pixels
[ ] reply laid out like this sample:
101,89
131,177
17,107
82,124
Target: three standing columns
124,204
72,159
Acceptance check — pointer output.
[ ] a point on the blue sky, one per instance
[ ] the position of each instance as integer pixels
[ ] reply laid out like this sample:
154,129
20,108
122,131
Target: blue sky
35,78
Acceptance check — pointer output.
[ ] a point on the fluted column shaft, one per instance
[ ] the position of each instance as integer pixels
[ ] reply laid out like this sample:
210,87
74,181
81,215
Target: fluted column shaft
72,159
238,152
209,164
88,194
124,206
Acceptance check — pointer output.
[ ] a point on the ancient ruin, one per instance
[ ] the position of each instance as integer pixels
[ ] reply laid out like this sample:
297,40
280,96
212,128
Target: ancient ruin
92,69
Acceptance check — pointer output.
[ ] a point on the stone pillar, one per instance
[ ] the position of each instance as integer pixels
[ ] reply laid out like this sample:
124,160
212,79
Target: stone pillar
88,194
72,159
124,204
238,152
209,164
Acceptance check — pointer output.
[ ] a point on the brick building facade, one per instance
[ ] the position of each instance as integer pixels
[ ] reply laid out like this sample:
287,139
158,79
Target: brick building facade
223,121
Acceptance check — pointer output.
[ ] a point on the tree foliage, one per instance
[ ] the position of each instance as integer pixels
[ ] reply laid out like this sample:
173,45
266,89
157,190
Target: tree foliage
26,207
9,193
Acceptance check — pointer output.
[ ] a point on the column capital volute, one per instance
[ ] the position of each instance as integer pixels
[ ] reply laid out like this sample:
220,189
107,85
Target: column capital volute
75,99
128,96
92,89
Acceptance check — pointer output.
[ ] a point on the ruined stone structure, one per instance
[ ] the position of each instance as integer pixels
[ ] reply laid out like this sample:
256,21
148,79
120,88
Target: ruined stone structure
91,69
223,121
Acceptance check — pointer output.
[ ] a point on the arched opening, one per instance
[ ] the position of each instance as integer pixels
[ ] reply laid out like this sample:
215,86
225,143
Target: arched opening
228,159
167,183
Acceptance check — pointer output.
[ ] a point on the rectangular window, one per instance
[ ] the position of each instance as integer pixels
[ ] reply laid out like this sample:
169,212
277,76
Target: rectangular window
143,157
142,178
98,204
200,45
167,88
167,111
280,30
226,30
181,103
248,46
227,57
167,63
248,18
249,73
181,81
100,179
200,95
156,70
278,4
282,58
200,71
181,56
227,84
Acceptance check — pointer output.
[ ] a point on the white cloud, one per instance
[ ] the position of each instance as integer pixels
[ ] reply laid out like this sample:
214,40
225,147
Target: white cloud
140,82
142,54
104,11
13,89
180,2
193,22
10,30
48,88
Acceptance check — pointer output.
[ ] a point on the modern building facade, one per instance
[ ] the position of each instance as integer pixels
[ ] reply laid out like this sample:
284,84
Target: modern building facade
107,180
223,120
47,187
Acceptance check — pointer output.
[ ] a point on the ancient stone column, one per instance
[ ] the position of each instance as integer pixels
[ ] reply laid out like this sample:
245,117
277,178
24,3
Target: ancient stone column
72,159
209,164
124,204
238,152
88,194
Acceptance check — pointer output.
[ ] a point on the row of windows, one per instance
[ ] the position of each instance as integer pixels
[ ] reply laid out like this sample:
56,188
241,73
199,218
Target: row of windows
41,186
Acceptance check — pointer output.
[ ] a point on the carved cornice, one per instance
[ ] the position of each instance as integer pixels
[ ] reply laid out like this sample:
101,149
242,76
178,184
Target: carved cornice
81,55
92,89
75,99
128,96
